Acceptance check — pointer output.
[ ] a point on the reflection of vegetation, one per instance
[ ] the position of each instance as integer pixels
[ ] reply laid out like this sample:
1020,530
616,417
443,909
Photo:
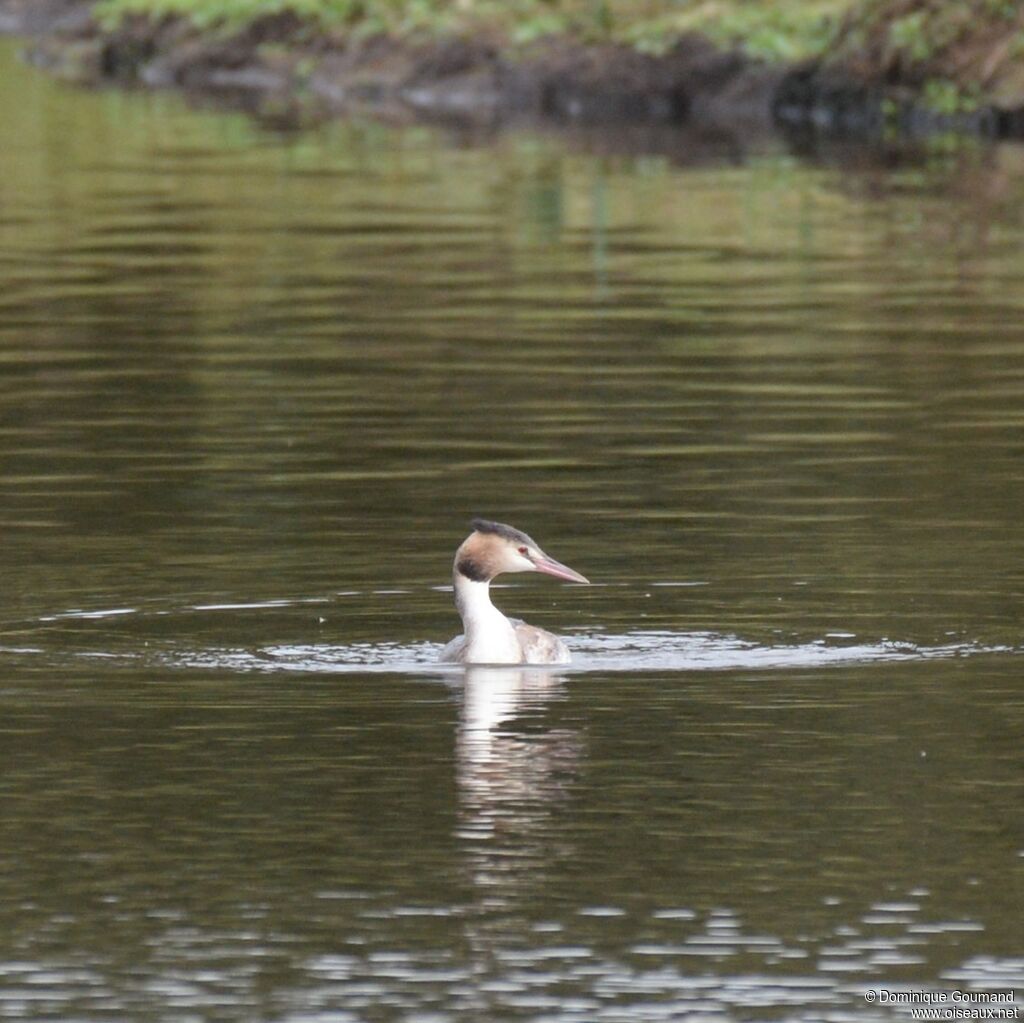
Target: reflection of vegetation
279,365
325,313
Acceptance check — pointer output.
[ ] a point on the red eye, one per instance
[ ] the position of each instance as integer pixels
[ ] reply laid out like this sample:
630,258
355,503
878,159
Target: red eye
524,551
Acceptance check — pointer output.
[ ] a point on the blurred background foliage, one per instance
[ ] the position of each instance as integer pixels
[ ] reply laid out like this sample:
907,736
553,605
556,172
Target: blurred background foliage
957,53
771,28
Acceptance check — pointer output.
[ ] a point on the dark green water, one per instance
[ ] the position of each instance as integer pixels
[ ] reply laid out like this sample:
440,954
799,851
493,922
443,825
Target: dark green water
252,387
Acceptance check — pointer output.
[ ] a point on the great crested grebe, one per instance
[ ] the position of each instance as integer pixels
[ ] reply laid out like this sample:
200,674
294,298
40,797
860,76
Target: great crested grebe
490,637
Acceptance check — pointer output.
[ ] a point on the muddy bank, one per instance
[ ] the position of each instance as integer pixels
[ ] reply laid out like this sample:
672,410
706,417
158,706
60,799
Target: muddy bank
34,17
300,72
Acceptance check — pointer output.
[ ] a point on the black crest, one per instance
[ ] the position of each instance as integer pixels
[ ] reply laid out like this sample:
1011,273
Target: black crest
500,529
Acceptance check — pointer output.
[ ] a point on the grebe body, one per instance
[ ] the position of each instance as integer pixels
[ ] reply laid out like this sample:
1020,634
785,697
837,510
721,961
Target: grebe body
490,637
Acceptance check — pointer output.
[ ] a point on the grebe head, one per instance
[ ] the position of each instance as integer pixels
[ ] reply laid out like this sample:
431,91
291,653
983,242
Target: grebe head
493,548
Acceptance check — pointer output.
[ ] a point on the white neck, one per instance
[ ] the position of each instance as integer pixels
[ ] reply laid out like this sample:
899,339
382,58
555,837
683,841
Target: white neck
490,636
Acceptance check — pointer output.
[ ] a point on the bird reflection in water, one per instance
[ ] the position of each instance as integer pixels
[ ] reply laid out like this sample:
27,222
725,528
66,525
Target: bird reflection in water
512,775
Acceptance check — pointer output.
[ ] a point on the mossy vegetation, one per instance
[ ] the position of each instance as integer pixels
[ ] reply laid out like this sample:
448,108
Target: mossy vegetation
958,54
774,29
959,60
953,51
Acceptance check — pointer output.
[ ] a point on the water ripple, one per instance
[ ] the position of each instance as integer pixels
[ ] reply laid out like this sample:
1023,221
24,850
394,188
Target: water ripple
635,651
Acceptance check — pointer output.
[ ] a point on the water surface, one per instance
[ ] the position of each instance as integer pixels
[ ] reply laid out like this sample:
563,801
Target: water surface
254,383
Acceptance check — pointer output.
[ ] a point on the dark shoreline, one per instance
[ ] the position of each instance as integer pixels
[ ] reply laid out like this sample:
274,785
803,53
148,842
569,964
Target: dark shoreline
279,63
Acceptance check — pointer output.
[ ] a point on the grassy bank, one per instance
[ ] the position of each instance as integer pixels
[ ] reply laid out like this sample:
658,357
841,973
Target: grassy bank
853,65
954,52
781,30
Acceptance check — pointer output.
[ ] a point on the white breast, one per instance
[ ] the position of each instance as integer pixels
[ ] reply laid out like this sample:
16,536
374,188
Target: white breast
490,637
